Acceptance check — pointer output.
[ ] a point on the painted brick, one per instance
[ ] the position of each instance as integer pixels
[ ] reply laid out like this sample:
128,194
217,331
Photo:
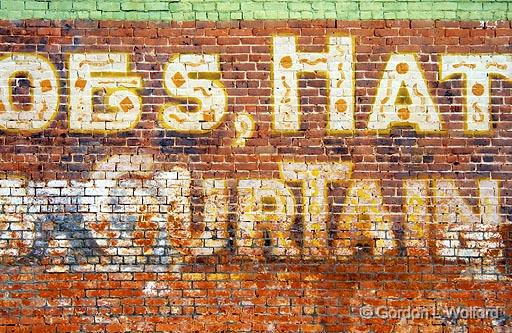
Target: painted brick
253,9
109,6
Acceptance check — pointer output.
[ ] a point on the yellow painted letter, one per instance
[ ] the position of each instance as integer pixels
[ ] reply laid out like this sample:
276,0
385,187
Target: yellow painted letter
418,218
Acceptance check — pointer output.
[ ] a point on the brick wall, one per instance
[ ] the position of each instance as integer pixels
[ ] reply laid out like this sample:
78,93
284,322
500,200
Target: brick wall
255,176
225,10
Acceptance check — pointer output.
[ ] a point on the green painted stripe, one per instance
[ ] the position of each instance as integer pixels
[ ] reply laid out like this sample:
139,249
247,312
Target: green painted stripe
222,10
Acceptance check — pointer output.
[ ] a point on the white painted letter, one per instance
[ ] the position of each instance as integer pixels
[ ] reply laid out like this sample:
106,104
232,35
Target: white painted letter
477,71
265,206
403,98
194,80
17,230
336,63
90,73
465,234
44,93
364,220
315,179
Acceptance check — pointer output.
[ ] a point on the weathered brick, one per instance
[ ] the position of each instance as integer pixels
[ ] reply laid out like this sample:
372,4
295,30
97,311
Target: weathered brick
237,227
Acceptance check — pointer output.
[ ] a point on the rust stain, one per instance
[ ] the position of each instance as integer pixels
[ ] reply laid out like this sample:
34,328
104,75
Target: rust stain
136,175
99,226
147,230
